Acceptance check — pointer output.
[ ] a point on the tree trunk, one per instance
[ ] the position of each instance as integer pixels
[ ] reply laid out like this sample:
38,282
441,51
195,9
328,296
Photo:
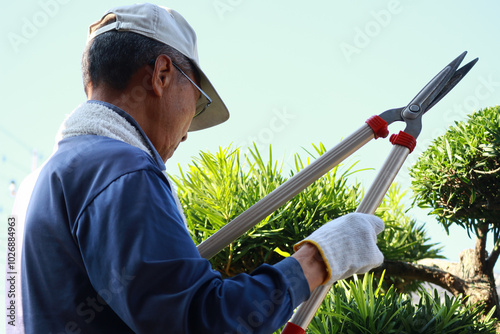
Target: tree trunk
464,277
480,283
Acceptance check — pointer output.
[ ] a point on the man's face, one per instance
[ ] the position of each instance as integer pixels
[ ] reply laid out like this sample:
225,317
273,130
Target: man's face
180,108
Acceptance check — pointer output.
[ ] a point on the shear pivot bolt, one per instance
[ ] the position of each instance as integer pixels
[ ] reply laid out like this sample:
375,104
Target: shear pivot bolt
414,108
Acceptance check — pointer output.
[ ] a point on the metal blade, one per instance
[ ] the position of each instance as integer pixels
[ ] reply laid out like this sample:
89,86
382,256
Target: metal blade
450,71
419,104
455,79
434,91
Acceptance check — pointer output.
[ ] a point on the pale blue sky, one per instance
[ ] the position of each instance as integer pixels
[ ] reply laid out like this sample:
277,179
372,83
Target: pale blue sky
291,72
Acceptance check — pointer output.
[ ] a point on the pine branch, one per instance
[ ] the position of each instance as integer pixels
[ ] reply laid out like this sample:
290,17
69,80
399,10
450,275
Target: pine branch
487,172
417,272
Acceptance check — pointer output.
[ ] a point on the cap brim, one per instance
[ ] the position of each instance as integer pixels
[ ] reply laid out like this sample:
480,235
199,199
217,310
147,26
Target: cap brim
216,113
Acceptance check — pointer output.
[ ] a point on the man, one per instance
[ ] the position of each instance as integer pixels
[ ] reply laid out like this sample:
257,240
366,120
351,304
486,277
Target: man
106,249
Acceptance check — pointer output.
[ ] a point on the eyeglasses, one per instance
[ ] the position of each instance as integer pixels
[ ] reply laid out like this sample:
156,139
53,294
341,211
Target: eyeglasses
203,102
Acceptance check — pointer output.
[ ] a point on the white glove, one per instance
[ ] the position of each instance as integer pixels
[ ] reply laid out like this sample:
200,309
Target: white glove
348,245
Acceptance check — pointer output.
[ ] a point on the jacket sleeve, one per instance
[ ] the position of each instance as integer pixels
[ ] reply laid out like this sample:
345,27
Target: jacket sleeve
141,260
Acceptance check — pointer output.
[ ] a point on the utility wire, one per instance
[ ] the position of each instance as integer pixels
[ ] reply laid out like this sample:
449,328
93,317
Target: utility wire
18,166
16,139
21,143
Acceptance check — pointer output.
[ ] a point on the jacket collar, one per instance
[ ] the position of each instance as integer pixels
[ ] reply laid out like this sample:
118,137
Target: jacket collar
107,124
132,121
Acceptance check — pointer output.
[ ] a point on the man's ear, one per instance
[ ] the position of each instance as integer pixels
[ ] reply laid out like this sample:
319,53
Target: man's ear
163,74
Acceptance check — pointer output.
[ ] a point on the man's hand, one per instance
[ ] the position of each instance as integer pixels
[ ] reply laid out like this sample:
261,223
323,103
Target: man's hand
347,245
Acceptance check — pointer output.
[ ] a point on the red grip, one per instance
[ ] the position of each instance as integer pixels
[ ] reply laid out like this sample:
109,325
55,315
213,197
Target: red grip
292,328
404,139
378,125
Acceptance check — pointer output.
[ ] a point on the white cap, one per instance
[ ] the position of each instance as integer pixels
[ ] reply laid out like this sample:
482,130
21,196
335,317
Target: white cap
167,26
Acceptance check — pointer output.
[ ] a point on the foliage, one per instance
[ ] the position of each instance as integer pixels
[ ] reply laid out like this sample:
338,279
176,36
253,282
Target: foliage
218,187
402,238
458,176
360,306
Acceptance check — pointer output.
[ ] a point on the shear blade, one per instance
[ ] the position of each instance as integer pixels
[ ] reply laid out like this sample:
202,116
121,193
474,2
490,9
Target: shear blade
450,71
437,88
455,79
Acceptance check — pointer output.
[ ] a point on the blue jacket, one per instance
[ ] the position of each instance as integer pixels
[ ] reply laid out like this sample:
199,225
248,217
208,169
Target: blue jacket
106,251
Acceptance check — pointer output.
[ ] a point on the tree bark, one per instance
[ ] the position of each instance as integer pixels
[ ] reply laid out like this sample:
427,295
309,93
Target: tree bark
492,259
480,254
462,278
419,272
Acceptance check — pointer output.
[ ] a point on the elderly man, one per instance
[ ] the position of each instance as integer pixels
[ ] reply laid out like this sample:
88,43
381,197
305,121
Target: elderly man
106,248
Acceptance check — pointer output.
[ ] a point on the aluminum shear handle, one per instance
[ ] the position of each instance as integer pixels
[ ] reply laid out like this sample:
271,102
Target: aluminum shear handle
375,127
404,143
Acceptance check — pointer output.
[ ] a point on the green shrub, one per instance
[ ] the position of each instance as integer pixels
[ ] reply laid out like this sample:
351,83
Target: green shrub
402,239
216,188
357,307
458,176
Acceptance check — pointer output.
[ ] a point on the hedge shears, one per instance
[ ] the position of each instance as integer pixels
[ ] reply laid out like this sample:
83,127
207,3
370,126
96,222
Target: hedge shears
375,127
